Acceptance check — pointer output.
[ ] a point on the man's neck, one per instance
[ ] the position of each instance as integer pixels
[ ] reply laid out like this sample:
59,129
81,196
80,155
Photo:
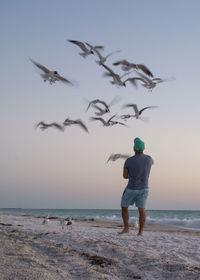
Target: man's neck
138,153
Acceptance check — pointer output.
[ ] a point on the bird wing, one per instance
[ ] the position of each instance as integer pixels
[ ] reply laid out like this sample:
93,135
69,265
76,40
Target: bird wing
99,119
58,126
112,54
82,125
40,123
79,44
145,69
122,62
99,47
95,49
98,108
145,79
134,106
111,118
103,103
40,66
140,112
62,79
89,105
133,81
110,158
108,69
121,123
125,156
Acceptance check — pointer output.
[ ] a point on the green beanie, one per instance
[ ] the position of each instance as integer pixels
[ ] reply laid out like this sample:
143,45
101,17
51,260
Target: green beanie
139,144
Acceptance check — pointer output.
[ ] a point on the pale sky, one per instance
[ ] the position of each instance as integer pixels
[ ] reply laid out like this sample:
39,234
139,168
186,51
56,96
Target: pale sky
51,169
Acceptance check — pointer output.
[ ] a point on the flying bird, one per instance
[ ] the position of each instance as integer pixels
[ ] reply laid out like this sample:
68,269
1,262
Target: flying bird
95,101
102,59
106,108
48,75
137,111
116,78
114,157
109,122
147,82
44,125
126,66
101,111
83,47
69,122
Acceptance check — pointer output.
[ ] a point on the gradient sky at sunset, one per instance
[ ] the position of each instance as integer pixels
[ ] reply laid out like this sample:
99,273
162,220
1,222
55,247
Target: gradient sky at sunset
51,169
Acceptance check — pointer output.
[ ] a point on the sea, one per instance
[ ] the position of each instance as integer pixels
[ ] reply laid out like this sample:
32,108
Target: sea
187,219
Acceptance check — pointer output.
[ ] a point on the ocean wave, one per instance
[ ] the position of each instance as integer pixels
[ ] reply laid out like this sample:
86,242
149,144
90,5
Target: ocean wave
193,223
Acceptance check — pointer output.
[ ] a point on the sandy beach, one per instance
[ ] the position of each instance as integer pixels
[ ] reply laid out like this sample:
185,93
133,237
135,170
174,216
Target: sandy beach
94,250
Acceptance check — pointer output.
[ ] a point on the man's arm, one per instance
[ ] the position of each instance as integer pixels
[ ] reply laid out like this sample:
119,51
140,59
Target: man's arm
125,174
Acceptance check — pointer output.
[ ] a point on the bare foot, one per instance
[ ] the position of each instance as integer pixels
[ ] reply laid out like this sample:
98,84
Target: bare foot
140,233
124,231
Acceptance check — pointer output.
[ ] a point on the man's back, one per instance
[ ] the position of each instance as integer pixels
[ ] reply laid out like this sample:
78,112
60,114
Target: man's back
138,167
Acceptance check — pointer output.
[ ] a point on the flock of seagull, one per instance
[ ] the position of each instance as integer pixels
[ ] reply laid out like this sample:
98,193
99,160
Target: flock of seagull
143,75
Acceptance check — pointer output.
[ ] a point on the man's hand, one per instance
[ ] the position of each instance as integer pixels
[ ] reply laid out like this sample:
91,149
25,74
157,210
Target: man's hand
125,174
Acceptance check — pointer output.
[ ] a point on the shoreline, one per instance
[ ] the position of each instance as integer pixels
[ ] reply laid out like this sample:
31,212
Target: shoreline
115,224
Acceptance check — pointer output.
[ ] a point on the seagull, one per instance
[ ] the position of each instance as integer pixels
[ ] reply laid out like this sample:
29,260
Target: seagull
101,111
101,58
115,157
69,218
109,122
116,78
147,83
126,66
135,108
107,110
135,224
44,125
95,101
68,122
69,224
83,47
48,75
46,220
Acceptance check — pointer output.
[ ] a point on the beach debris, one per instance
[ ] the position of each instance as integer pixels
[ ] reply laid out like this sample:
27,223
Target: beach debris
8,225
101,261
48,75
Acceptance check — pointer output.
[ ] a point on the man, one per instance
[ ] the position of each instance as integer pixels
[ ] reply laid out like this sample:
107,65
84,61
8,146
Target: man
136,169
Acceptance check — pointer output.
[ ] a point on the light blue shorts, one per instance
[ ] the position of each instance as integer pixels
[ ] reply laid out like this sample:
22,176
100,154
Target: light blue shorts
137,197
